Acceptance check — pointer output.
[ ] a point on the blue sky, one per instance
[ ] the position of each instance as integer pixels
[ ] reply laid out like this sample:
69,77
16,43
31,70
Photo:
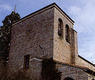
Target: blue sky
81,11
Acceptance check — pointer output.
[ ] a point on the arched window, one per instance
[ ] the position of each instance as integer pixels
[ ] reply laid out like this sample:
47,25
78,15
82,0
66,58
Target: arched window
67,33
68,78
60,27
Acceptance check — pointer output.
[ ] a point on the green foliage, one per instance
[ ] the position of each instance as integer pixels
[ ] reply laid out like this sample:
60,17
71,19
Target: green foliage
10,19
5,33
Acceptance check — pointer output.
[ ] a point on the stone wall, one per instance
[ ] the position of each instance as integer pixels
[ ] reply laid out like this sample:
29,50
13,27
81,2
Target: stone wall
72,72
37,36
82,62
33,36
91,77
35,69
62,49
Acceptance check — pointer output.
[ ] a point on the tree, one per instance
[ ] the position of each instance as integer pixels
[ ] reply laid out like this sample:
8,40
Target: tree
5,33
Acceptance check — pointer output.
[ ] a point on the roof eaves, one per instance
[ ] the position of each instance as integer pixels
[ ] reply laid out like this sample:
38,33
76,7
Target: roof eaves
86,60
28,16
51,5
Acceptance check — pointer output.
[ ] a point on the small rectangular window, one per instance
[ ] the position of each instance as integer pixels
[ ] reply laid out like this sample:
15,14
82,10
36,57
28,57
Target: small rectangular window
26,61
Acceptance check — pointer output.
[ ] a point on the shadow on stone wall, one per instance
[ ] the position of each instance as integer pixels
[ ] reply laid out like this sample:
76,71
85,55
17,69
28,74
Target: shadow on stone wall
49,71
16,76
4,74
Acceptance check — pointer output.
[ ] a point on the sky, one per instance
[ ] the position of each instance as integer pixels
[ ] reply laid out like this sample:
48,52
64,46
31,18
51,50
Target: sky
81,11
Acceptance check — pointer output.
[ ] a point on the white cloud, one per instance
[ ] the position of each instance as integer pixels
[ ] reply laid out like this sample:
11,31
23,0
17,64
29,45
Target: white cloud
84,17
75,10
5,7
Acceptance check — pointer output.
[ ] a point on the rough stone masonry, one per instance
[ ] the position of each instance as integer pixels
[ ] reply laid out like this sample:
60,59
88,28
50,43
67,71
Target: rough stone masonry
36,37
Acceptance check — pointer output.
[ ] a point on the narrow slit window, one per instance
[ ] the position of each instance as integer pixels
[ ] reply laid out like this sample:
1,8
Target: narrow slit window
60,27
26,61
67,33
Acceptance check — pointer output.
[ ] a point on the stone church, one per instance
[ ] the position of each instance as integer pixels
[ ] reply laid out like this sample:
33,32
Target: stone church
48,34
